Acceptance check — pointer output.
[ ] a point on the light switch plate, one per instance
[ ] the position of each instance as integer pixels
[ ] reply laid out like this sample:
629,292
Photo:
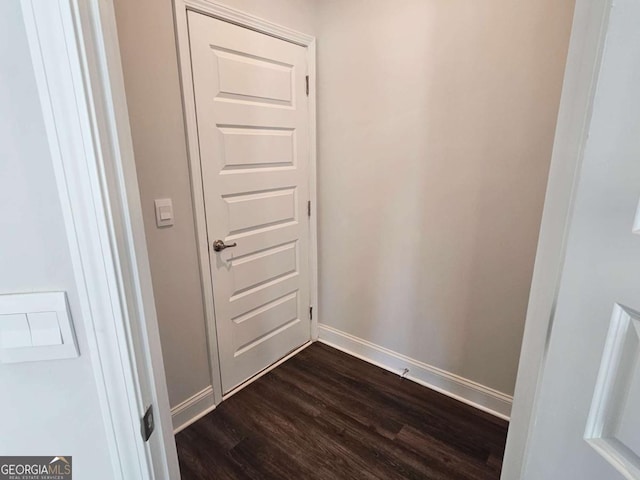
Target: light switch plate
164,212
47,318
45,329
14,331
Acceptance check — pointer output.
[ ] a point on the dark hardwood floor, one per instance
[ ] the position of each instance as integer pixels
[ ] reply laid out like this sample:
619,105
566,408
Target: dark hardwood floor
327,415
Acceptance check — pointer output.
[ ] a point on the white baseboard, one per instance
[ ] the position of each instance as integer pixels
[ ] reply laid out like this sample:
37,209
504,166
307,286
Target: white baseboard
192,409
197,406
454,386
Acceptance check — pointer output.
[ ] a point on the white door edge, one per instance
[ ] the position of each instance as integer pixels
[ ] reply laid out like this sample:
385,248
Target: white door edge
588,35
262,373
75,55
258,24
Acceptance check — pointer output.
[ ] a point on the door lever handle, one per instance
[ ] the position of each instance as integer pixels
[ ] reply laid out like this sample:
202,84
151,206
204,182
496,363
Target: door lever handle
219,245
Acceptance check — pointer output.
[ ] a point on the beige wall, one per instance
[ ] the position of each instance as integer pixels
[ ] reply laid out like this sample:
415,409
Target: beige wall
436,121
148,49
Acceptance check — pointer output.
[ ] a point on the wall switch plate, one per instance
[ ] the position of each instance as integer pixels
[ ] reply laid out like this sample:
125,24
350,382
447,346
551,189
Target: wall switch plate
164,212
36,327
45,329
14,331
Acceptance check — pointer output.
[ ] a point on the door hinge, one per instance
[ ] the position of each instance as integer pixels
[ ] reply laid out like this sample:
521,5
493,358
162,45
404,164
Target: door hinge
310,313
147,424
307,80
309,208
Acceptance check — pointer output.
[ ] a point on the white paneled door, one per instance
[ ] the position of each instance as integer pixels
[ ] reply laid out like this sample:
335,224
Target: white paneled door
587,417
253,129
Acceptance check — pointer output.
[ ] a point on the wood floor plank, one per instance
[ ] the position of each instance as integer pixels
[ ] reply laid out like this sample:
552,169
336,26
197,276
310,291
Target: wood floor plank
423,444
312,448
362,447
387,398
326,415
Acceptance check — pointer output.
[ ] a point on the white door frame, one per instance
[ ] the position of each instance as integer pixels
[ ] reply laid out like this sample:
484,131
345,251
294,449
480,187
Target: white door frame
252,22
588,36
76,59
75,55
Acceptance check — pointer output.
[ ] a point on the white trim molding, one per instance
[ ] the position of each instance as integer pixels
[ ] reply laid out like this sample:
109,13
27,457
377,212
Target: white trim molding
237,17
203,402
192,409
246,20
75,56
472,393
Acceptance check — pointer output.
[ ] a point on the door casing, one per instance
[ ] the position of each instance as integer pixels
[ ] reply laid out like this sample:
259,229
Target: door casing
77,68
260,25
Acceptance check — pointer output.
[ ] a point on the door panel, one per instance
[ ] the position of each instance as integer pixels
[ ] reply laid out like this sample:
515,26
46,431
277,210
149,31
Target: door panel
262,209
257,147
252,115
251,271
256,80
587,415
